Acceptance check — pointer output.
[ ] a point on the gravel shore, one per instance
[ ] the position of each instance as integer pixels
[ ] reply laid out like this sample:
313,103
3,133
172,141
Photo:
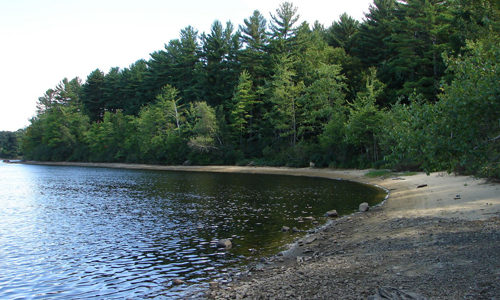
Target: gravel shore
440,241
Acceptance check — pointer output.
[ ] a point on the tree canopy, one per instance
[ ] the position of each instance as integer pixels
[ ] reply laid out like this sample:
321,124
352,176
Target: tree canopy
413,85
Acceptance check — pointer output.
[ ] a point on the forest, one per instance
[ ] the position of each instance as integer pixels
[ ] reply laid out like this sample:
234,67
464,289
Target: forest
414,86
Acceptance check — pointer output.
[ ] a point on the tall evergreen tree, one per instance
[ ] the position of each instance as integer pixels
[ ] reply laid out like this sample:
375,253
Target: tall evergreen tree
134,88
319,100
220,49
283,28
93,95
243,100
112,92
283,95
342,33
253,55
420,34
67,92
372,41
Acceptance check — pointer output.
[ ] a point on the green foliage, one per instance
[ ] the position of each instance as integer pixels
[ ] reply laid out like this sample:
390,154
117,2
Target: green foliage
244,99
110,140
364,126
461,131
283,95
159,129
406,134
57,135
10,143
205,128
374,93
92,95
319,101
282,24
342,33
253,57
220,70
469,110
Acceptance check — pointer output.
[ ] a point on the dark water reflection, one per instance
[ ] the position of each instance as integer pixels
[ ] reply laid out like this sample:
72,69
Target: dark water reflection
70,232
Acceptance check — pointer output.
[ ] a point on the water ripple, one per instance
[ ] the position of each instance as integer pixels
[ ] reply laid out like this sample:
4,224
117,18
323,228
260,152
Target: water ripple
69,233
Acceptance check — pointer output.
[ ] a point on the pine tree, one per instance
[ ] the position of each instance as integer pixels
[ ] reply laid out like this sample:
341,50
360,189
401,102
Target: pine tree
420,34
342,33
253,55
244,99
220,68
92,95
283,95
283,28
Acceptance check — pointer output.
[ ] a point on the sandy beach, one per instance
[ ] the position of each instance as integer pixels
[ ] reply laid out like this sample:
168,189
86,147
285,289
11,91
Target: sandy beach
437,236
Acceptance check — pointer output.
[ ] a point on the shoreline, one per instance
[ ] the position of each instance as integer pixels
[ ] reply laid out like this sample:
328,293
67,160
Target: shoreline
477,199
440,240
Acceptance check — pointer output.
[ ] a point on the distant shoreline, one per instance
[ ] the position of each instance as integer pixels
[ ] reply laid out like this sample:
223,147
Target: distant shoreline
348,174
404,196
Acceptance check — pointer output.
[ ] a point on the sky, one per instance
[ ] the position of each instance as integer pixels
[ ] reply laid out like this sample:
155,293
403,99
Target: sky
44,41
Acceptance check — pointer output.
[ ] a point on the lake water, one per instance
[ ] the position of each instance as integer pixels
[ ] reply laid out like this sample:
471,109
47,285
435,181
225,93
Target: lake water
75,232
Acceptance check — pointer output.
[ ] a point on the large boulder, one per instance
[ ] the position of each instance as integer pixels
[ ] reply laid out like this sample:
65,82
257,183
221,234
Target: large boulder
285,228
224,243
364,207
332,213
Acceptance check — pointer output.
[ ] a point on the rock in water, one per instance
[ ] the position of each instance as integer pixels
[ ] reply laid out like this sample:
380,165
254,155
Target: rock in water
332,213
224,243
391,293
177,281
363,207
285,228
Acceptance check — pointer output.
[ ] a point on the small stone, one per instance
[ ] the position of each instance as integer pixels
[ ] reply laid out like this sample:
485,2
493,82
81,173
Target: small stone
295,229
421,186
177,281
332,213
285,228
310,239
364,207
310,218
224,243
213,284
